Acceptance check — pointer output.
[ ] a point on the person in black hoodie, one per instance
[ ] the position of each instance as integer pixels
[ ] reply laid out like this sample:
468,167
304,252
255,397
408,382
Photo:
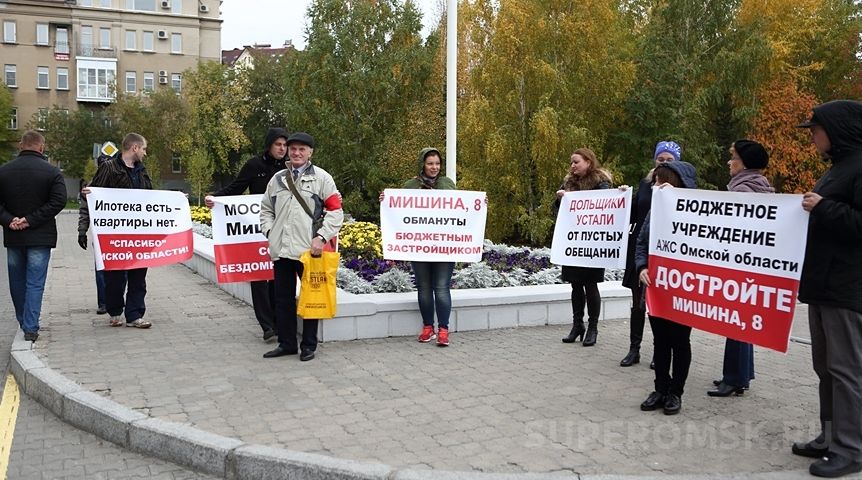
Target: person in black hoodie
32,193
671,340
254,176
831,285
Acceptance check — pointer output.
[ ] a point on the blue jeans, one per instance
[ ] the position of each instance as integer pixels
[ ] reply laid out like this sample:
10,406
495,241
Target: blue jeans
28,269
432,284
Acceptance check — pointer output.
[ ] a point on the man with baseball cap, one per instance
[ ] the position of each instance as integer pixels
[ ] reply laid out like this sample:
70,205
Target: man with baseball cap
291,231
831,285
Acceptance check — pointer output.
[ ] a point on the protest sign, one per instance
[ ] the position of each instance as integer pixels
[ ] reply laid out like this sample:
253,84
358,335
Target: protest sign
592,229
433,225
727,263
241,249
139,228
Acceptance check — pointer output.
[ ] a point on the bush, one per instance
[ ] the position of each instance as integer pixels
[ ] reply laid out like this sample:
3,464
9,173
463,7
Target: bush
349,281
202,215
395,280
360,240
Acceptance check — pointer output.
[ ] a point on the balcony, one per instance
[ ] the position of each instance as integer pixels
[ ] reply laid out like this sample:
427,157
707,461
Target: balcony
93,51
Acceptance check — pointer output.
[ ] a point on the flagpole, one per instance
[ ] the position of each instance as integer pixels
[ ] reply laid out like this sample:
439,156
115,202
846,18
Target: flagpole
451,87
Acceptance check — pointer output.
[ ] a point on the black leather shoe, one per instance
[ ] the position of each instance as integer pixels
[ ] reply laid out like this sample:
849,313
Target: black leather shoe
834,465
631,358
268,334
672,404
812,449
278,352
654,401
725,390
306,355
30,336
101,310
652,365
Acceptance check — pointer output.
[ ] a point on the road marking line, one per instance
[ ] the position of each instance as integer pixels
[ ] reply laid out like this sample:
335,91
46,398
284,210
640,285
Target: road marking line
8,415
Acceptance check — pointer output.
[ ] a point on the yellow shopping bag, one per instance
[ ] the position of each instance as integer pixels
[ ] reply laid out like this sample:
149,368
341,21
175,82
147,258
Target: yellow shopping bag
317,285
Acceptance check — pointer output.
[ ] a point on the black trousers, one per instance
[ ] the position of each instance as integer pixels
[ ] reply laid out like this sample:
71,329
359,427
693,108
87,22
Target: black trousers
672,347
286,273
263,301
586,293
836,351
118,299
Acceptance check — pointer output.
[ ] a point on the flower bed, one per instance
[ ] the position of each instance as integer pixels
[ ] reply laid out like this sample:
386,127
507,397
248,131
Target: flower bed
365,270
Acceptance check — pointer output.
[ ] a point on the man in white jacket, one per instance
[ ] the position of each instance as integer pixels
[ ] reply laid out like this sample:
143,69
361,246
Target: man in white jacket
291,231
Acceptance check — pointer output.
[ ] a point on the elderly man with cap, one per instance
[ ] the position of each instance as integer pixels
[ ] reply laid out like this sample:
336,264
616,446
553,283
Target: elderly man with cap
831,285
291,230
747,161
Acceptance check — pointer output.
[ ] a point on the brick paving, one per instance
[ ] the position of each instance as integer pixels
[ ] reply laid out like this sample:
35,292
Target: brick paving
46,448
515,400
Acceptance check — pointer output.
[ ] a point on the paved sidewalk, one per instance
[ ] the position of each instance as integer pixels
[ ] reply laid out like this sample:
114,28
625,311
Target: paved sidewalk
515,400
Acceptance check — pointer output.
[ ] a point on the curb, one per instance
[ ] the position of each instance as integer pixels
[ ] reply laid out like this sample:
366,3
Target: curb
233,459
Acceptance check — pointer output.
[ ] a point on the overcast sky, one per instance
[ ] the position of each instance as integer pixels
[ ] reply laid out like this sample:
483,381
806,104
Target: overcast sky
247,22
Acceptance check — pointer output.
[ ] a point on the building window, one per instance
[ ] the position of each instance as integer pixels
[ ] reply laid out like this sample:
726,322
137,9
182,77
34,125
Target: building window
10,35
62,45
87,39
104,38
149,81
177,6
105,3
149,39
42,34
13,119
131,40
95,83
86,3
146,5
131,82
41,118
176,162
62,78
176,43
177,82
11,75
42,77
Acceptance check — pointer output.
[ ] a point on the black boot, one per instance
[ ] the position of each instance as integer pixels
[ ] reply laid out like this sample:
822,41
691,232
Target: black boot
636,329
631,358
592,333
577,331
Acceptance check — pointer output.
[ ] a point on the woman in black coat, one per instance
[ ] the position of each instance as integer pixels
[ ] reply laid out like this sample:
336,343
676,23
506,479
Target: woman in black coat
665,151
585,173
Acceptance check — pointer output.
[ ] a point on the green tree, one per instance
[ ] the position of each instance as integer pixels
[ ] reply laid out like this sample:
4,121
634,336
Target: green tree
698,71
265,92
71,134
199,173
161,117
364,67
215,115
7,136
544,79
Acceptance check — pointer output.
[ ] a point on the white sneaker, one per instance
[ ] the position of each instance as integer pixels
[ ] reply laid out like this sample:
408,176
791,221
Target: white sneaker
116,321
139,323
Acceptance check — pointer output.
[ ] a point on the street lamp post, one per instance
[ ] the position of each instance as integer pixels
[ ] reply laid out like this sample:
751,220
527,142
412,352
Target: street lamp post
451,87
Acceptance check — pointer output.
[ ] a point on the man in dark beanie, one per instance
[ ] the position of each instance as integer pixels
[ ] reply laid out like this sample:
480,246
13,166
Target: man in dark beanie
253,176
752,154
831,285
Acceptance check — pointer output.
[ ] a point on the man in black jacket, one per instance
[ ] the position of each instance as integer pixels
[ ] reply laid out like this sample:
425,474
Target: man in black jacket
831,285
125,290
254,176
32,193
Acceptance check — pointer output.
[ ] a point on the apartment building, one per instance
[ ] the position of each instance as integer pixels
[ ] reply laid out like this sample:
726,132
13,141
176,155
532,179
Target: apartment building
74,53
